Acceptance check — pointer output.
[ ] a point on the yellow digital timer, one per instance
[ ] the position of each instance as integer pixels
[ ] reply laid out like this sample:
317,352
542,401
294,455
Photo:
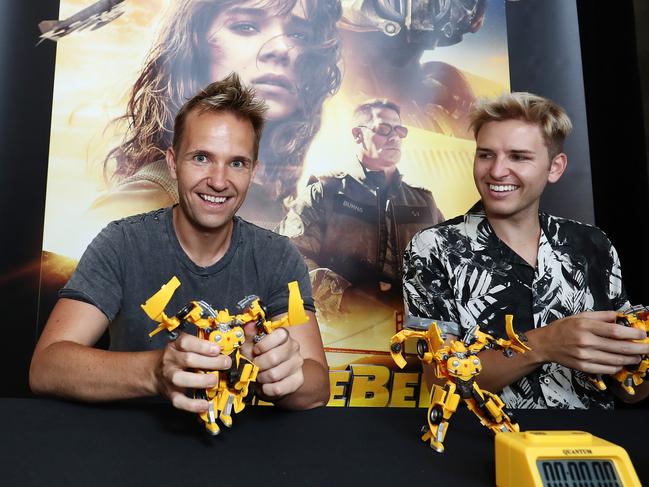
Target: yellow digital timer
561,459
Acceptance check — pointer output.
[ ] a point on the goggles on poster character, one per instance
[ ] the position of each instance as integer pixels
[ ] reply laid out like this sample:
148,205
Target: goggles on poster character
434,22
386,130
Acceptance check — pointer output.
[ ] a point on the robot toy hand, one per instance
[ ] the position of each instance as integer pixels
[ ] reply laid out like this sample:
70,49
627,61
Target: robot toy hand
516,343
428,340
226,330
458,364
630,376
254,311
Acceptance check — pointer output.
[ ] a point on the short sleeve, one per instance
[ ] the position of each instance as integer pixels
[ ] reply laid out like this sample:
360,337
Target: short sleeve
291,268
98,277
616,291
426,288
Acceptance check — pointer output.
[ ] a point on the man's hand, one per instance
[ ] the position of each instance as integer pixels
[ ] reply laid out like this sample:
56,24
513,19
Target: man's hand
175,370
591,342
279,360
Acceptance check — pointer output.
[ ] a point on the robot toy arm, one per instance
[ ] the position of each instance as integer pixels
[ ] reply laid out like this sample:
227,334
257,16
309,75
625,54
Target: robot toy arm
515,343
428,343
192,313
255,311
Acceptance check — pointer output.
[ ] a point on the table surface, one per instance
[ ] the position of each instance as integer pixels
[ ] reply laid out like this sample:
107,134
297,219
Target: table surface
50,442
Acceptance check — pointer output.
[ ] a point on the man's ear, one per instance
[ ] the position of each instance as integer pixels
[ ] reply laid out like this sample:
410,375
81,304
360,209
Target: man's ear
357,133
171,162
557,167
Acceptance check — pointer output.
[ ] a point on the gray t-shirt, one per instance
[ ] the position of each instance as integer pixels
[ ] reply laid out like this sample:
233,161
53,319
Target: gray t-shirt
132,258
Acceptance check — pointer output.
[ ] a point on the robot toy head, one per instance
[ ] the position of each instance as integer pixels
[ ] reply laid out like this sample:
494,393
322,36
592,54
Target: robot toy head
431,22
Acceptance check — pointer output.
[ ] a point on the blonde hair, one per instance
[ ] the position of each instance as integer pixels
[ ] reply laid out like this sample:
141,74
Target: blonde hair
551,118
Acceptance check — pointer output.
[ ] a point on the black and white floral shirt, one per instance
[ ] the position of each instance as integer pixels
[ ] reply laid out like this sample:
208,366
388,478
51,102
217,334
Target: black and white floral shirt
460,272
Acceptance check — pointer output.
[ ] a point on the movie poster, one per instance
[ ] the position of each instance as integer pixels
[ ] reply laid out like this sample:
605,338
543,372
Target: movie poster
119,84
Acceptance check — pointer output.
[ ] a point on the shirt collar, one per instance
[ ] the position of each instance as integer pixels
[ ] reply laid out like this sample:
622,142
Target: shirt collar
371,178
482,236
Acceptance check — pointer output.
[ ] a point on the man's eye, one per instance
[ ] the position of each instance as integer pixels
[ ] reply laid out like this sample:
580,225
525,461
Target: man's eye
484,155
200,158
238,164
383,129
518,158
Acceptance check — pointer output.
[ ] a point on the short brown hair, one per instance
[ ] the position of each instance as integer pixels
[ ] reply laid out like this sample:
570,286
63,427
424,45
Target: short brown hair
363,112
227,95
551,118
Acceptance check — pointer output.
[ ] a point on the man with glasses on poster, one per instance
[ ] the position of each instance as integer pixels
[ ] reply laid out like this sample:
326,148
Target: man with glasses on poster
353,226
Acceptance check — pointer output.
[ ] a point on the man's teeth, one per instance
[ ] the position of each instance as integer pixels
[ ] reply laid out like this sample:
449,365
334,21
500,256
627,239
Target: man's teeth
499,188
213,199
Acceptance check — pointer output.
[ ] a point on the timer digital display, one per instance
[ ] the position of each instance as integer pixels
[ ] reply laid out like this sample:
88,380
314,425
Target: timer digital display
578,473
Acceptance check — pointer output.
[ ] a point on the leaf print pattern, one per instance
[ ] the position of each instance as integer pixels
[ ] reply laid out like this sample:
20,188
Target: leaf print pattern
461,272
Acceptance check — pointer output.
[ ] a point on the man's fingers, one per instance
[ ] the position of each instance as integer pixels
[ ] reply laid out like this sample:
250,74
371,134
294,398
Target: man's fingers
286,386
181,401
272,340
190,360
182,379
602,357
607,316
191,343
250,329
594,368
617,332
281,371
278,355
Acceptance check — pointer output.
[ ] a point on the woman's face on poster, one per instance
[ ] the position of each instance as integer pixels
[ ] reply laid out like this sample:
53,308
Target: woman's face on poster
262,47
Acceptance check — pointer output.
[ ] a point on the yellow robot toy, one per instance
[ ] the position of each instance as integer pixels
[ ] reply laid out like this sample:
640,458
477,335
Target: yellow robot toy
458,363
226,331
630,376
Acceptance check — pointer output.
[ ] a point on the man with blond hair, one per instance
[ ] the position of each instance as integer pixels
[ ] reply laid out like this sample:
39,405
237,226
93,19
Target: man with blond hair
218,257
559,278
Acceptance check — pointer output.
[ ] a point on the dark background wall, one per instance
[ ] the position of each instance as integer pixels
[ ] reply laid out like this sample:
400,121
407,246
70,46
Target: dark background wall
26,83
585,56
617,131
545,58
545,40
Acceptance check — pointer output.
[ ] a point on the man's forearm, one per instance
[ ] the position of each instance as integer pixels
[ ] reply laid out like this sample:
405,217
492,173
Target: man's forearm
499,371
71,370
313,393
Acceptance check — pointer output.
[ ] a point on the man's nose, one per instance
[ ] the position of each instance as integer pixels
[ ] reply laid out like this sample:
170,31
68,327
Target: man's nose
217,177
277,50
499,167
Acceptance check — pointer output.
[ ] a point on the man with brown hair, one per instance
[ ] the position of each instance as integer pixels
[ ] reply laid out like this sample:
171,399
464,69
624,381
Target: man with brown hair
353,226
218,257
559,278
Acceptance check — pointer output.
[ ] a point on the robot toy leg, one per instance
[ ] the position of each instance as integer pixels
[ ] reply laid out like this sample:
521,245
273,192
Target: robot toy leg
443,404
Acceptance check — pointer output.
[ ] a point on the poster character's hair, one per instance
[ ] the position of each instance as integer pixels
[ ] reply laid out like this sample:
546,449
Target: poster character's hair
363,113
227,95
178,66
551,118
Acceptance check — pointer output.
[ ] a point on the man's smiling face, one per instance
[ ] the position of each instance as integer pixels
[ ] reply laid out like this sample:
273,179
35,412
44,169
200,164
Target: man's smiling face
512,167
214,166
